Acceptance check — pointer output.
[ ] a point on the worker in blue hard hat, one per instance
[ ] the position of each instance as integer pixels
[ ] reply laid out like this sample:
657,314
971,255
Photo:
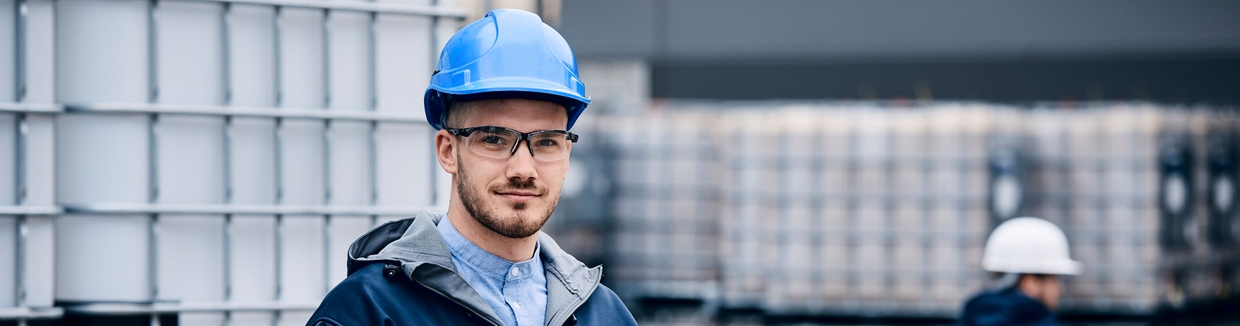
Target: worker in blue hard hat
1032,253
503,98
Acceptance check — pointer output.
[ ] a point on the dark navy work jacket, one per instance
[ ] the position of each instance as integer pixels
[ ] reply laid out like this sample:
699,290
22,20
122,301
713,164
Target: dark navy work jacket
401,273
1005,307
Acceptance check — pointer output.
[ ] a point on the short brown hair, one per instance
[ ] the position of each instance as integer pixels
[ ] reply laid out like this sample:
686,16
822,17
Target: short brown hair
451,120
453,117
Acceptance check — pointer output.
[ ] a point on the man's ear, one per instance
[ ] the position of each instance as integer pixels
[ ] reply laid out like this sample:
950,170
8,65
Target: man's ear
445,151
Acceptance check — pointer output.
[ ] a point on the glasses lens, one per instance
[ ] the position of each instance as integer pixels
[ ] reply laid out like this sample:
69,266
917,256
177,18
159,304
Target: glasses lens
550,146
496,143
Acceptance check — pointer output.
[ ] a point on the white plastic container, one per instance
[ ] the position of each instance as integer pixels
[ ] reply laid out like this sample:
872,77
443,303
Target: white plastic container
222,156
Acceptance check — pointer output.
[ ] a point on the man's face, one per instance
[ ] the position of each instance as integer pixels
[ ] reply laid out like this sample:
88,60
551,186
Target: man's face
512,196
1053,289
1043,288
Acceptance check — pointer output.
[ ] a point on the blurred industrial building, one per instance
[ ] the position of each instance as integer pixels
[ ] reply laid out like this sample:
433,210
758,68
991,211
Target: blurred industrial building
207,162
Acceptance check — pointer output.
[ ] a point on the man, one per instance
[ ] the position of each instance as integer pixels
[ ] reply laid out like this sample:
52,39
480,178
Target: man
503,98
1034,253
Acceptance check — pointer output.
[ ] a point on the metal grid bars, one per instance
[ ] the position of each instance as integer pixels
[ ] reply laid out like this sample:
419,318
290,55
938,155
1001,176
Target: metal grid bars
957,215
860,209
820,209
219,156
1094,174
666,206
852,210
745,224
27,206
793,230
1199,261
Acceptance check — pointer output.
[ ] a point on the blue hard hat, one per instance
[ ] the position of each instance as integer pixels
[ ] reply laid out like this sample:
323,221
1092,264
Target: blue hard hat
507,54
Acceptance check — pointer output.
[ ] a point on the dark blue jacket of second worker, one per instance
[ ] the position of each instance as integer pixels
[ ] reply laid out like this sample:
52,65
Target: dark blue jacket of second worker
1005,307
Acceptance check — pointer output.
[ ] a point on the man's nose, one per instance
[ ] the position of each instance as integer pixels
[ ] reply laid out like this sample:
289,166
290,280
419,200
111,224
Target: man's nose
521,164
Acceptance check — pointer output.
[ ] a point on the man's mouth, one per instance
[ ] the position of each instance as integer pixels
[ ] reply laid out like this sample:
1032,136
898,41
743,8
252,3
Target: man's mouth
518,195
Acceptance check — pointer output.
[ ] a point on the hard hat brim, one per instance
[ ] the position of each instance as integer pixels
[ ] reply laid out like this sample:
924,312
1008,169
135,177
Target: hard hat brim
1054,267
436,98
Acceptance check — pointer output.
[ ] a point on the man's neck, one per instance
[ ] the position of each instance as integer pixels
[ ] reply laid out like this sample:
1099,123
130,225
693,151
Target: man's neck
514,250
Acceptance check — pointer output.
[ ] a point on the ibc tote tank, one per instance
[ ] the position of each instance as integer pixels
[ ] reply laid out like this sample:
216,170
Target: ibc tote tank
178,203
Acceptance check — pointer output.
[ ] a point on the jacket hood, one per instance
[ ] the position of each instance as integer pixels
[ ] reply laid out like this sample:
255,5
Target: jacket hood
417,247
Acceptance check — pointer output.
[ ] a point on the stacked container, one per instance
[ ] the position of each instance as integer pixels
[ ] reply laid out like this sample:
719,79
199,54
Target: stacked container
664,235
850,210
212,159
860,209
1199,261
1095,177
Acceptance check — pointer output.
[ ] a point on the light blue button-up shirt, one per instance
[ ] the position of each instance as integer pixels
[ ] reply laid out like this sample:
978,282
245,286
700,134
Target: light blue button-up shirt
517,292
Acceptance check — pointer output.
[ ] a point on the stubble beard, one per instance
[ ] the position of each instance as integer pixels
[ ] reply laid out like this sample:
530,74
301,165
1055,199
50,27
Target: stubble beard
517,226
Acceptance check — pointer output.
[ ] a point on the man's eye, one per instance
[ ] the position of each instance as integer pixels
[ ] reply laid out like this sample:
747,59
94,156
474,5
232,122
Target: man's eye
493,140
547,143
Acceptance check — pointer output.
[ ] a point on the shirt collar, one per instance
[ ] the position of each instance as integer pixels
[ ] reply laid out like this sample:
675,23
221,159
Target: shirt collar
487,263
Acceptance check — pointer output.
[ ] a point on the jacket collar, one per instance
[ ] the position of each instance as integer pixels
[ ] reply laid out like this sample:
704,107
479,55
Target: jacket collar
416,245
576,281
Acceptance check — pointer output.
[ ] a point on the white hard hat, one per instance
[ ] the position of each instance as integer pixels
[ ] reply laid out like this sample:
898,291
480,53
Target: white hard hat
1028,245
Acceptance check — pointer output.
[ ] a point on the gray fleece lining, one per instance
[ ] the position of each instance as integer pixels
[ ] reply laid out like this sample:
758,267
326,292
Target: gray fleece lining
425,258
421,242
576,282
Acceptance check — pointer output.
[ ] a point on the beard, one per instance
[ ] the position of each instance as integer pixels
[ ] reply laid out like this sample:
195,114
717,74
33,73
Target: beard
520,224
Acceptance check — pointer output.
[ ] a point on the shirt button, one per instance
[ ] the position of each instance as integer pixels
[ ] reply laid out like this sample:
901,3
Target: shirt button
516,306
516,272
